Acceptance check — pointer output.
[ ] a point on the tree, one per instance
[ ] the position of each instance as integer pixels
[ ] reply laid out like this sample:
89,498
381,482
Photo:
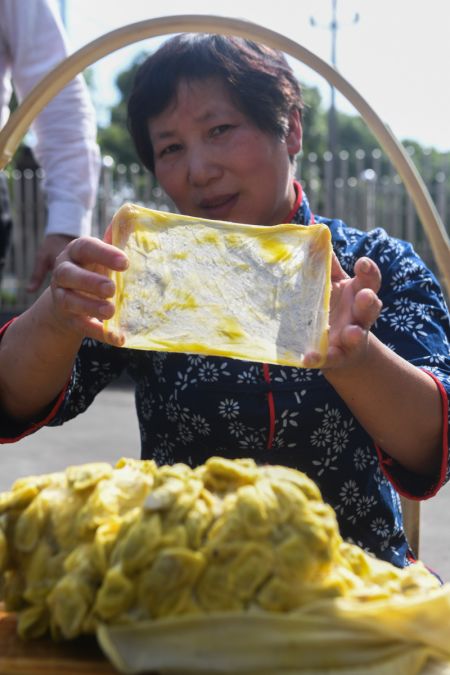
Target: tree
115,140
314,122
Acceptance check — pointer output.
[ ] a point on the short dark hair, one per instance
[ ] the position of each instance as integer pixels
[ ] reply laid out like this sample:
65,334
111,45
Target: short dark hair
260,81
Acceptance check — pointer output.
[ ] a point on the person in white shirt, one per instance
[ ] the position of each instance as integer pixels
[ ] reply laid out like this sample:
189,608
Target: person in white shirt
32,42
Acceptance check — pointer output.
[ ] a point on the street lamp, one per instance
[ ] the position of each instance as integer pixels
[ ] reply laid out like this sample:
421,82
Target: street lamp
333,27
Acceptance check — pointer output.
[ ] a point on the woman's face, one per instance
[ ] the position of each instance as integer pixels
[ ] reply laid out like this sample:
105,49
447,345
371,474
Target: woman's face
215,163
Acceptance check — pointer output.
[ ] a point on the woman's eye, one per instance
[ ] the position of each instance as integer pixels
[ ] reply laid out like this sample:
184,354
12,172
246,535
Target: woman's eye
220,129
169,149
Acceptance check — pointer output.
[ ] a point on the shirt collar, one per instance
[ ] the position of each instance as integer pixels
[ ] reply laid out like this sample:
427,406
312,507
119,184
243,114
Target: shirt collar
300,212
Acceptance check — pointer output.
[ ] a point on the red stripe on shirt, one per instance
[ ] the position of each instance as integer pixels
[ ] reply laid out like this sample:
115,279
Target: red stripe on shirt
5,326
387,462
271,404
298,200
33,427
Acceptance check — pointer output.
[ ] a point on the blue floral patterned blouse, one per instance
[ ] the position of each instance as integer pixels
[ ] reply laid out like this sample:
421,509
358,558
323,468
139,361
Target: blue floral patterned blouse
190,407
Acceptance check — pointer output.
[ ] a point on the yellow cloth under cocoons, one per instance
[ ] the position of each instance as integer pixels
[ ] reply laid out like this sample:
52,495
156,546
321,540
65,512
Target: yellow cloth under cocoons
309,642
228,289
229,567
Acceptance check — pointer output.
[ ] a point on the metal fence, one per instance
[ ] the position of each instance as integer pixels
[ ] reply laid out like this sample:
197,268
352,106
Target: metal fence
364,194
368,193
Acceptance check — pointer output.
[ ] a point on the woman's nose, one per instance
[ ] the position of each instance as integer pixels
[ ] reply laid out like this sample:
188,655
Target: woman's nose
202,167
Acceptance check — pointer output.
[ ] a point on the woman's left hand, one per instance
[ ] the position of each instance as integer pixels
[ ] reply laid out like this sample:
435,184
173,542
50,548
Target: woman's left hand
354,308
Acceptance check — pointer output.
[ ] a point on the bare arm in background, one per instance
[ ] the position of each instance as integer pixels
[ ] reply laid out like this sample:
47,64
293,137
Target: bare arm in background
34,42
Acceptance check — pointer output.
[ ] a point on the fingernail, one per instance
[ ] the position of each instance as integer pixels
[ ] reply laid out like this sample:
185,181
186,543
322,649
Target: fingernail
365,266
105,310
312,359
116,339
121,262
107,288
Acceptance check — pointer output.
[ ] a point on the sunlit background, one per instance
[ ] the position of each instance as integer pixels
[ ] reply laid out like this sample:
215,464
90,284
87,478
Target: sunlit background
394,52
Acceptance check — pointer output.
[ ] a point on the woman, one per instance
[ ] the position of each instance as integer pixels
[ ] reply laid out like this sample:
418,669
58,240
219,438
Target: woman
218,120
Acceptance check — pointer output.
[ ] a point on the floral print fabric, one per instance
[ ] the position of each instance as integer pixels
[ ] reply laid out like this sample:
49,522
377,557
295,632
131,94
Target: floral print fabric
190,407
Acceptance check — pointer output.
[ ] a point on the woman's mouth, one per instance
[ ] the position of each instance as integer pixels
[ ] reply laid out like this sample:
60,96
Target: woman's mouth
218,208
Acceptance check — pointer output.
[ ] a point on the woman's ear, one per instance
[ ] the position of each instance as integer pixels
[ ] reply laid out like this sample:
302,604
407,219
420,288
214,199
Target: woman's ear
295,132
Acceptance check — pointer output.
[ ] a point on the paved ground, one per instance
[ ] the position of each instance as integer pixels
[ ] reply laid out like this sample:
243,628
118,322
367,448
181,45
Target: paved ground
108,430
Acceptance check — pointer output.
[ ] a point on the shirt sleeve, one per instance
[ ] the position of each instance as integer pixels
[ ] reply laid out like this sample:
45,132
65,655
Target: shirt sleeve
65,130
414,323
96,366
12,430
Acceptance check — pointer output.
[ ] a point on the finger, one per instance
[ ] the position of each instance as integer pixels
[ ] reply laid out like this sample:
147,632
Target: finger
90,251
367,274
312,359
335,357
92,328
71,277
76,304
366,308
352,341
116,339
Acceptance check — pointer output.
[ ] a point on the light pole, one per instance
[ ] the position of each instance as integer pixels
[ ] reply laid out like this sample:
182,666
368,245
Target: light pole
333,27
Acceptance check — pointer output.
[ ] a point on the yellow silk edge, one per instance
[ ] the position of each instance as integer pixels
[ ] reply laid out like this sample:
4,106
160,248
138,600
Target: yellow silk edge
137,214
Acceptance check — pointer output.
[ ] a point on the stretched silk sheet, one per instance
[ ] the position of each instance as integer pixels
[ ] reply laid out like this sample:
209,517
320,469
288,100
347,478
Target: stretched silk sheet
210,287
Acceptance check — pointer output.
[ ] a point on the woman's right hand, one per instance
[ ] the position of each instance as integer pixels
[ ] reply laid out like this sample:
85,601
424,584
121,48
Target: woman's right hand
82,290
